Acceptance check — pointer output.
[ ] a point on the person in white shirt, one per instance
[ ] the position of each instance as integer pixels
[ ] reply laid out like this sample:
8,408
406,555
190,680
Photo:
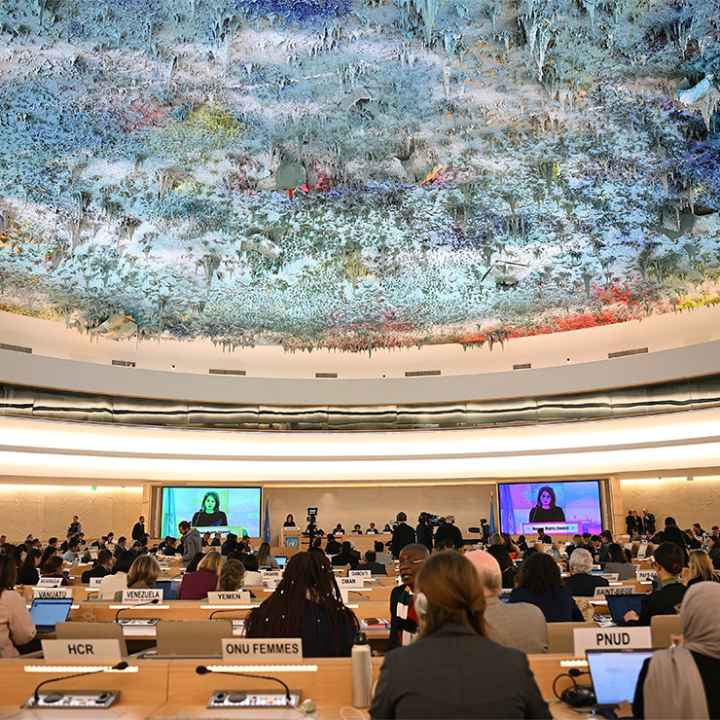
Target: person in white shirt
16,625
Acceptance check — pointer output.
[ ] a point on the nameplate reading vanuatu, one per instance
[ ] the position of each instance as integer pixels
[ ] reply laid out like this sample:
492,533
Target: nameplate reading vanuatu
262,650
45,593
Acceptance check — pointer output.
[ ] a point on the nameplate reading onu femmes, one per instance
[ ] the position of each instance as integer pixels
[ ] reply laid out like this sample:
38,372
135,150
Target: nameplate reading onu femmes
135,597
262,650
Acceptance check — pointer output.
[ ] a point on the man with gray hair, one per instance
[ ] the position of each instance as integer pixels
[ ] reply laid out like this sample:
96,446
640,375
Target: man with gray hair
581,583
518,625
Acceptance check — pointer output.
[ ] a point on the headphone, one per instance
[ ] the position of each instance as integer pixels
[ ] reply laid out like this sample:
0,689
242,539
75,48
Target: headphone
421,604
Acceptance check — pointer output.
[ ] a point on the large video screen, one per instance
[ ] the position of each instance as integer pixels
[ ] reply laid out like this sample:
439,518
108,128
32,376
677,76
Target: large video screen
231,509
564,508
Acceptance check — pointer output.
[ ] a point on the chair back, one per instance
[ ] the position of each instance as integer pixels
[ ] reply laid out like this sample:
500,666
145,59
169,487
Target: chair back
662,628
561,638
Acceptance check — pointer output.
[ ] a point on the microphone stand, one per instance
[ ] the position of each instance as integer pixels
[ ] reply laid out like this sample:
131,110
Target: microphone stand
204,670
154,601
36,694
226,610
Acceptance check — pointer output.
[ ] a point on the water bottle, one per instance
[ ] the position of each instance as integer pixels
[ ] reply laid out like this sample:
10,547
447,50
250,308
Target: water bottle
361,673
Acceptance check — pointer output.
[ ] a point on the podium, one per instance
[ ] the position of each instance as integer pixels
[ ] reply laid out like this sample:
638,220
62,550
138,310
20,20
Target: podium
290,538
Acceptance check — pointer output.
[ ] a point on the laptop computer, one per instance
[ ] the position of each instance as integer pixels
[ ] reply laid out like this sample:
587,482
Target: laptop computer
618,605
281,560
46,614
614,675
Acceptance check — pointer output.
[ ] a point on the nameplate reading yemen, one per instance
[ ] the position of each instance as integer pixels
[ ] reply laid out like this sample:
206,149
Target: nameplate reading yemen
262,650
133,597
617,590
618,638
76,652
61,593
229,598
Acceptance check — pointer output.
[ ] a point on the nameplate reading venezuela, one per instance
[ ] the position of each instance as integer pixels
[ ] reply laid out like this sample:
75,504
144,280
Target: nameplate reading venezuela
133,597
620,638
76,652
61,593
616,590
228,597
262,650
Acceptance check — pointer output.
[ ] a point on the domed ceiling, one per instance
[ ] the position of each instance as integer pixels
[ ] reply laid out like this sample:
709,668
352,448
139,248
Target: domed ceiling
357,174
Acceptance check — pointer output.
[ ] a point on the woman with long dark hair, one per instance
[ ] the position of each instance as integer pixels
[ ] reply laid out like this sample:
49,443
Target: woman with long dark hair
546,509
209,514
28,573
306,604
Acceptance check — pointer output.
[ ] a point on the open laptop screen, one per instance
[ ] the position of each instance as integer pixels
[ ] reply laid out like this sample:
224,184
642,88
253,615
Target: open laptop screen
48,613
281,560
615,673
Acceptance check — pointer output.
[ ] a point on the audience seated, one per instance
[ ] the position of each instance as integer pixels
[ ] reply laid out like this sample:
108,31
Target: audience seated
381,555
403,618
252,578
143,574
232,575
53,568
196,585
306,604
332,547
700,569
264,557
217,540
230,545
539,583
16,626
102,566
507,566
372,565
683,681
117,580
432,678
518,625
28,573
619,562
357,530
347,556
581,583
668,564
372,530
339,530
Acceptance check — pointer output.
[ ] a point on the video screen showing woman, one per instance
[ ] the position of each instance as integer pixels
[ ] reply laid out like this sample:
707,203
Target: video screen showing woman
210,514
545,509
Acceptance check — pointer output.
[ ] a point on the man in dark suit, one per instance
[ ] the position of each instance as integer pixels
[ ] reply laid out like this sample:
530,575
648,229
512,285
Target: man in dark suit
403,618
138,531
372,565
402,535
448,535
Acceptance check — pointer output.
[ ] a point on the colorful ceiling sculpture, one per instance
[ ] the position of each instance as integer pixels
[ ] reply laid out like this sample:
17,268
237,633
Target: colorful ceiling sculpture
358,174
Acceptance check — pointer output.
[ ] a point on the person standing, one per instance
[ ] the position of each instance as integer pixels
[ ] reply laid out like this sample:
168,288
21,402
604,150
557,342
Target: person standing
424,532
630,525
191,542
403,618
485,530
138,531
402,535
447,533
649,521
75,527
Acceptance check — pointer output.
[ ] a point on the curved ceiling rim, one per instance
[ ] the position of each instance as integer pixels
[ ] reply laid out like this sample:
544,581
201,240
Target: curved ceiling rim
52,338
683,363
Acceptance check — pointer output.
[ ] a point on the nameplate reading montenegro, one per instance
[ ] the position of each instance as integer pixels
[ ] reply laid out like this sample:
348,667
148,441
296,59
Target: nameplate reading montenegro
263,650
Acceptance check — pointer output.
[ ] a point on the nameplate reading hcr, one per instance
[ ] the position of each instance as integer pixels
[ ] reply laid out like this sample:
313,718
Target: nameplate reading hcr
91,652
620,638
262,650
46,593
132,597
360,574
619,590
52,582
229,598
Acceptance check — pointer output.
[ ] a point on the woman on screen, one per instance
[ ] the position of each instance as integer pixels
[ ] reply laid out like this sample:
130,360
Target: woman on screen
210,514
545,509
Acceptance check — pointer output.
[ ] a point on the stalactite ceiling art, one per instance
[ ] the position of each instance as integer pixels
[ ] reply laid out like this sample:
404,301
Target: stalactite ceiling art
357,174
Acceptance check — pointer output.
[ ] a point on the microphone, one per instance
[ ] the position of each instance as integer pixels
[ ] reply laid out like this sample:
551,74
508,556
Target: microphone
204,670
36,694
154,601
226,610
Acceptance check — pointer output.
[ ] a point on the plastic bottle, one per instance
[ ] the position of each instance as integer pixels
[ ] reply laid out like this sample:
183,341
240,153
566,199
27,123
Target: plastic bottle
361,672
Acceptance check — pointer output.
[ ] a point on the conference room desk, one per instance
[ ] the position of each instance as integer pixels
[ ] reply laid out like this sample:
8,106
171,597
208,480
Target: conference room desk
165,689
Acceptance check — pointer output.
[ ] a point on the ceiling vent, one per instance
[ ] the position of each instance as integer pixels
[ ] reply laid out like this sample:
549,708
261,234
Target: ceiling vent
422,373
625,353
326,375
15,348
220,371
123,363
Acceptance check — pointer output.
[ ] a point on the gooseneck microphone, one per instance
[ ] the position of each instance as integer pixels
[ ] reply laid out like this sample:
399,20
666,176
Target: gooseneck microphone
226,610
204,670
154,601
36,694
